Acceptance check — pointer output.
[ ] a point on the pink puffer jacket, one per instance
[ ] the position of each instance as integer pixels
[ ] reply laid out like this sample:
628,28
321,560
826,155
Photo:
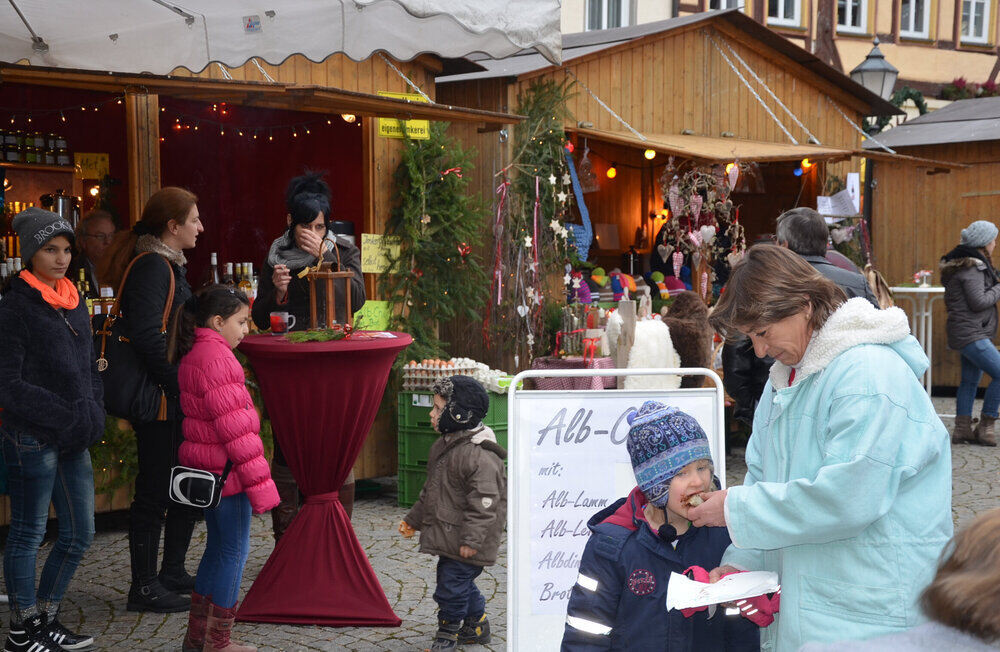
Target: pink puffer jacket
220,421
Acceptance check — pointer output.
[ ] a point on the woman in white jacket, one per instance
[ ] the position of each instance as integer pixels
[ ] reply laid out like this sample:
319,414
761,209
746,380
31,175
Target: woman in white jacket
848,488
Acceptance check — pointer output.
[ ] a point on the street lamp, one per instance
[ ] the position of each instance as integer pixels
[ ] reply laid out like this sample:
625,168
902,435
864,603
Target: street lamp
875,73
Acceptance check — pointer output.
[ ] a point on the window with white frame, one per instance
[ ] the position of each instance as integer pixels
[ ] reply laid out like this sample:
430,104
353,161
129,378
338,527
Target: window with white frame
604,14
784,12
852,16
914,18
975,21
725,4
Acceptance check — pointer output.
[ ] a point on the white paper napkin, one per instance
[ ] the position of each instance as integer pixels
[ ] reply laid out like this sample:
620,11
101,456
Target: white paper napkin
683,593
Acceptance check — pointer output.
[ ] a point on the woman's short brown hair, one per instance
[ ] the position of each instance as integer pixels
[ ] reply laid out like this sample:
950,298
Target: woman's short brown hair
966,589
770,284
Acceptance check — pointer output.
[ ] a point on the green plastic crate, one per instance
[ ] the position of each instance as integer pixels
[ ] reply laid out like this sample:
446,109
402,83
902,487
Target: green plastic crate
415,444
409,482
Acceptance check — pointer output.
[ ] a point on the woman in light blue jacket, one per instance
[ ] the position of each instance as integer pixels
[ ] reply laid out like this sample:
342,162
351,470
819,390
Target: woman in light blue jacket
848,488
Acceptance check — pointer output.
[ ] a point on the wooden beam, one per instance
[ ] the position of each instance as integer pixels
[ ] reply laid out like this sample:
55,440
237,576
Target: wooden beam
142,125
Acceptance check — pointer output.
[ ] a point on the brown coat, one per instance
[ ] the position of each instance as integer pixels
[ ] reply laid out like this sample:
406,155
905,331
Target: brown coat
464,501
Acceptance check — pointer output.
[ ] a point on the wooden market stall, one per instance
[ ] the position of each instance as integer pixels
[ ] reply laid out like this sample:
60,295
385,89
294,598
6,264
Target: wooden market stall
235,142
917,218
712,88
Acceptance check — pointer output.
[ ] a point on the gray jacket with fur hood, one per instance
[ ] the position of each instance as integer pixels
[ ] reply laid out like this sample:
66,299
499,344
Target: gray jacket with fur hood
971,292
464,501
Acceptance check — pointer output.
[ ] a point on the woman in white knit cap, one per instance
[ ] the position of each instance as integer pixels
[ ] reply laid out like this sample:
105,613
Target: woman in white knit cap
971,292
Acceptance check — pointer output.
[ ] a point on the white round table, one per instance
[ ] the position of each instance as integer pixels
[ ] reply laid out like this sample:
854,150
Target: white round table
921,318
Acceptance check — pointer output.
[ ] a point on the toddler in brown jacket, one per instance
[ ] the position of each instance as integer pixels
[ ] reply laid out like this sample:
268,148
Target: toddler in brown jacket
461,509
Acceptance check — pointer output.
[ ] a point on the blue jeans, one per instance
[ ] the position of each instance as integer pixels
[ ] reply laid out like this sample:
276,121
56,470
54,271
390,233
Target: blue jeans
221,568
36,475
456,593
978,357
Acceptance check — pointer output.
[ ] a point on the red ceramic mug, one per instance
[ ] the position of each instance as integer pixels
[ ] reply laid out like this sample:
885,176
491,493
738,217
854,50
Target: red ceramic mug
281,322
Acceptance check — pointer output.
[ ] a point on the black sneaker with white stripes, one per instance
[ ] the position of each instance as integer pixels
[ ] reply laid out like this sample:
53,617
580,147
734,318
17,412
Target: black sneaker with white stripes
29,637
67,640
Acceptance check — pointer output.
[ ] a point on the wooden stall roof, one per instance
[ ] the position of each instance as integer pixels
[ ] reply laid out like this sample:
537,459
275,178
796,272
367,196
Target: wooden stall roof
726,150
296,97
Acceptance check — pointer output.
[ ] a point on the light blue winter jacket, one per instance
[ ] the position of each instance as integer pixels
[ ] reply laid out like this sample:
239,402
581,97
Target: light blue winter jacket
848,488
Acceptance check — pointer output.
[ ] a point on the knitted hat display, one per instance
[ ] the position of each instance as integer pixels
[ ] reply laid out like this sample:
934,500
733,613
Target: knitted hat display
979,234
36,226
466,403
663,440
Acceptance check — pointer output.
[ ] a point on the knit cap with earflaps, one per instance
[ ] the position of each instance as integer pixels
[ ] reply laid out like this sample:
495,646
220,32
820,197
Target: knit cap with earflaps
663,440
36,226
979,234
466,403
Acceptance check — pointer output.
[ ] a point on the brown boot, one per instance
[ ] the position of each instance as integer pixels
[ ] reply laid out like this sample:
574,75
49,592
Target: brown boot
194,640
962,432
983,433
218,630
288,492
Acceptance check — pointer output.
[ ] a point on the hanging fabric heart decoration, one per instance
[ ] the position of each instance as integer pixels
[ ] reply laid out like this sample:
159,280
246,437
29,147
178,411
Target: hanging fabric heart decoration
734,175
695,260
674,198
704,285
664,250
695,237
695,201
734,257
678,261
707,234
522,310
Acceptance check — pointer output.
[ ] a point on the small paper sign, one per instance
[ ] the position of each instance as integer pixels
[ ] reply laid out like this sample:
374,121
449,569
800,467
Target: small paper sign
373,316
376,252
393,128
91,165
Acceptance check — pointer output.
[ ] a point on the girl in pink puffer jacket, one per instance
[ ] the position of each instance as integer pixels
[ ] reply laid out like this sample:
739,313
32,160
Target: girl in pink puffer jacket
220,425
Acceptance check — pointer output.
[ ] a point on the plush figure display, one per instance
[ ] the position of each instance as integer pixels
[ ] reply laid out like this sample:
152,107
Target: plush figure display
580,291
690,333
622,285
600,277
657,279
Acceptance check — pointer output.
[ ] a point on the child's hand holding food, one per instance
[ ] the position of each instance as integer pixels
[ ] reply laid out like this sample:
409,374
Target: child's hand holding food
406,530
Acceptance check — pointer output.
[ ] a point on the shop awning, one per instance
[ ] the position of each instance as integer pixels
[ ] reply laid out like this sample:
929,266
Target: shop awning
725,150
317,99
158,36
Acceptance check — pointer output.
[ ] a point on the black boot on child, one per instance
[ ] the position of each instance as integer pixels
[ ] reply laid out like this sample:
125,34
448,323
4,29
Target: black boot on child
475,631
447,635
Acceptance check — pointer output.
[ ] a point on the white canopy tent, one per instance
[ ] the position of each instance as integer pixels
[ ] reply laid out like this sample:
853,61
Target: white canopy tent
157,36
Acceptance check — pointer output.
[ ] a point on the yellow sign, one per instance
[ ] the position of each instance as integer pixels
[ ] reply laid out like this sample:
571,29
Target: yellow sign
373,316
393,128
91,165
376,252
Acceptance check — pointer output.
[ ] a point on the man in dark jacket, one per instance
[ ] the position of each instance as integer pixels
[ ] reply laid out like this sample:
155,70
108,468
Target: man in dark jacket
804,231
619,600
461,510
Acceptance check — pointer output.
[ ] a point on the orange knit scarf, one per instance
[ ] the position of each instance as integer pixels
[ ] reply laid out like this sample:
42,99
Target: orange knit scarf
64,296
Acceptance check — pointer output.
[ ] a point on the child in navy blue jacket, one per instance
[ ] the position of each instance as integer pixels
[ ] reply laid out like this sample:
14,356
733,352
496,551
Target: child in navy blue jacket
619,600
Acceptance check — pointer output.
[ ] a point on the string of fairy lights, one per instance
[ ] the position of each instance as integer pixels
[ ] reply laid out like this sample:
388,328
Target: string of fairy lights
215,122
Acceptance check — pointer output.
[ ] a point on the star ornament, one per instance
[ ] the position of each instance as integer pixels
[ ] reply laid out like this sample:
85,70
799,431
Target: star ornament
552,179
566,279
562,196
566,179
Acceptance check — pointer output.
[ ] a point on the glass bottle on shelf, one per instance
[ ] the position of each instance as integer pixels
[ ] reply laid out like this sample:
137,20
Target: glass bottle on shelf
49,157
30,154
227,276
63,157
245,285
213,270
38,140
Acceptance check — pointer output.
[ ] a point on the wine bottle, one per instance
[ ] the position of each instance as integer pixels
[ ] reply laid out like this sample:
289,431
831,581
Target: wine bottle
213,272
227,277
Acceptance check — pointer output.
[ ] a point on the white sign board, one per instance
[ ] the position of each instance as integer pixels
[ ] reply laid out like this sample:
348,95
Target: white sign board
567,461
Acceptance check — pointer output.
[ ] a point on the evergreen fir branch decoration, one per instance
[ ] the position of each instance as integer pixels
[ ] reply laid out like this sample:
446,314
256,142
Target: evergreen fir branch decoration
439,225
530,237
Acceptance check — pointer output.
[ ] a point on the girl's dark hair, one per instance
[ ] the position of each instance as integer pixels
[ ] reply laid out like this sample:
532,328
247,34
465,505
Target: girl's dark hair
204,304
170,203
306,197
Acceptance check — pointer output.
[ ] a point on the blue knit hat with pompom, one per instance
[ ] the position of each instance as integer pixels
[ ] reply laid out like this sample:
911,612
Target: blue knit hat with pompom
663,440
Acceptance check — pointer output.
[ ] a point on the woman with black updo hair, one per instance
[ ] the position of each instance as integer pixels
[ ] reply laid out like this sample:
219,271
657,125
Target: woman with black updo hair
281,290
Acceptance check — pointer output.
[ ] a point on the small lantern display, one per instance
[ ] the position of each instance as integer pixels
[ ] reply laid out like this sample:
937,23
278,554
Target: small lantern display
324,276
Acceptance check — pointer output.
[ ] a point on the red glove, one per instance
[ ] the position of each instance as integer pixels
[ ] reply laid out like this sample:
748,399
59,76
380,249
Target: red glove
759,610
698,574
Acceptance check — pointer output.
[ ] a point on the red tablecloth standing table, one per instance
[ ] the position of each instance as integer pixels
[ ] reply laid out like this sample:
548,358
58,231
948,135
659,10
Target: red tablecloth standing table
322,398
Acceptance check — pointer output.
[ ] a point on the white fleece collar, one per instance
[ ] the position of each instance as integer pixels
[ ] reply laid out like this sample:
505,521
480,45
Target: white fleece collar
855,322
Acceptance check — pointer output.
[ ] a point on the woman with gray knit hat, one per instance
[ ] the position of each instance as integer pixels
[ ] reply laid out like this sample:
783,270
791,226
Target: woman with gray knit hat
52,399
971,292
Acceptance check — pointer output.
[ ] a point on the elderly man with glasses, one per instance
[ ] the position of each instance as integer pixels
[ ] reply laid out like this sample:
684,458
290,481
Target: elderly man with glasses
94,234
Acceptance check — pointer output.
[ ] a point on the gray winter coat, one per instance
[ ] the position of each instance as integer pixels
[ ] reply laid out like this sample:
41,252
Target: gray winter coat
464,501
970,296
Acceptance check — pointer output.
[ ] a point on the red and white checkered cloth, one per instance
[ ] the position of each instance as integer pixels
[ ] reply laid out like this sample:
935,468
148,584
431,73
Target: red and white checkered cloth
574,362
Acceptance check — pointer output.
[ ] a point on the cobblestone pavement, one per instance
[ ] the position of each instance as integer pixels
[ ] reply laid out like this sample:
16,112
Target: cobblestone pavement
95,602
